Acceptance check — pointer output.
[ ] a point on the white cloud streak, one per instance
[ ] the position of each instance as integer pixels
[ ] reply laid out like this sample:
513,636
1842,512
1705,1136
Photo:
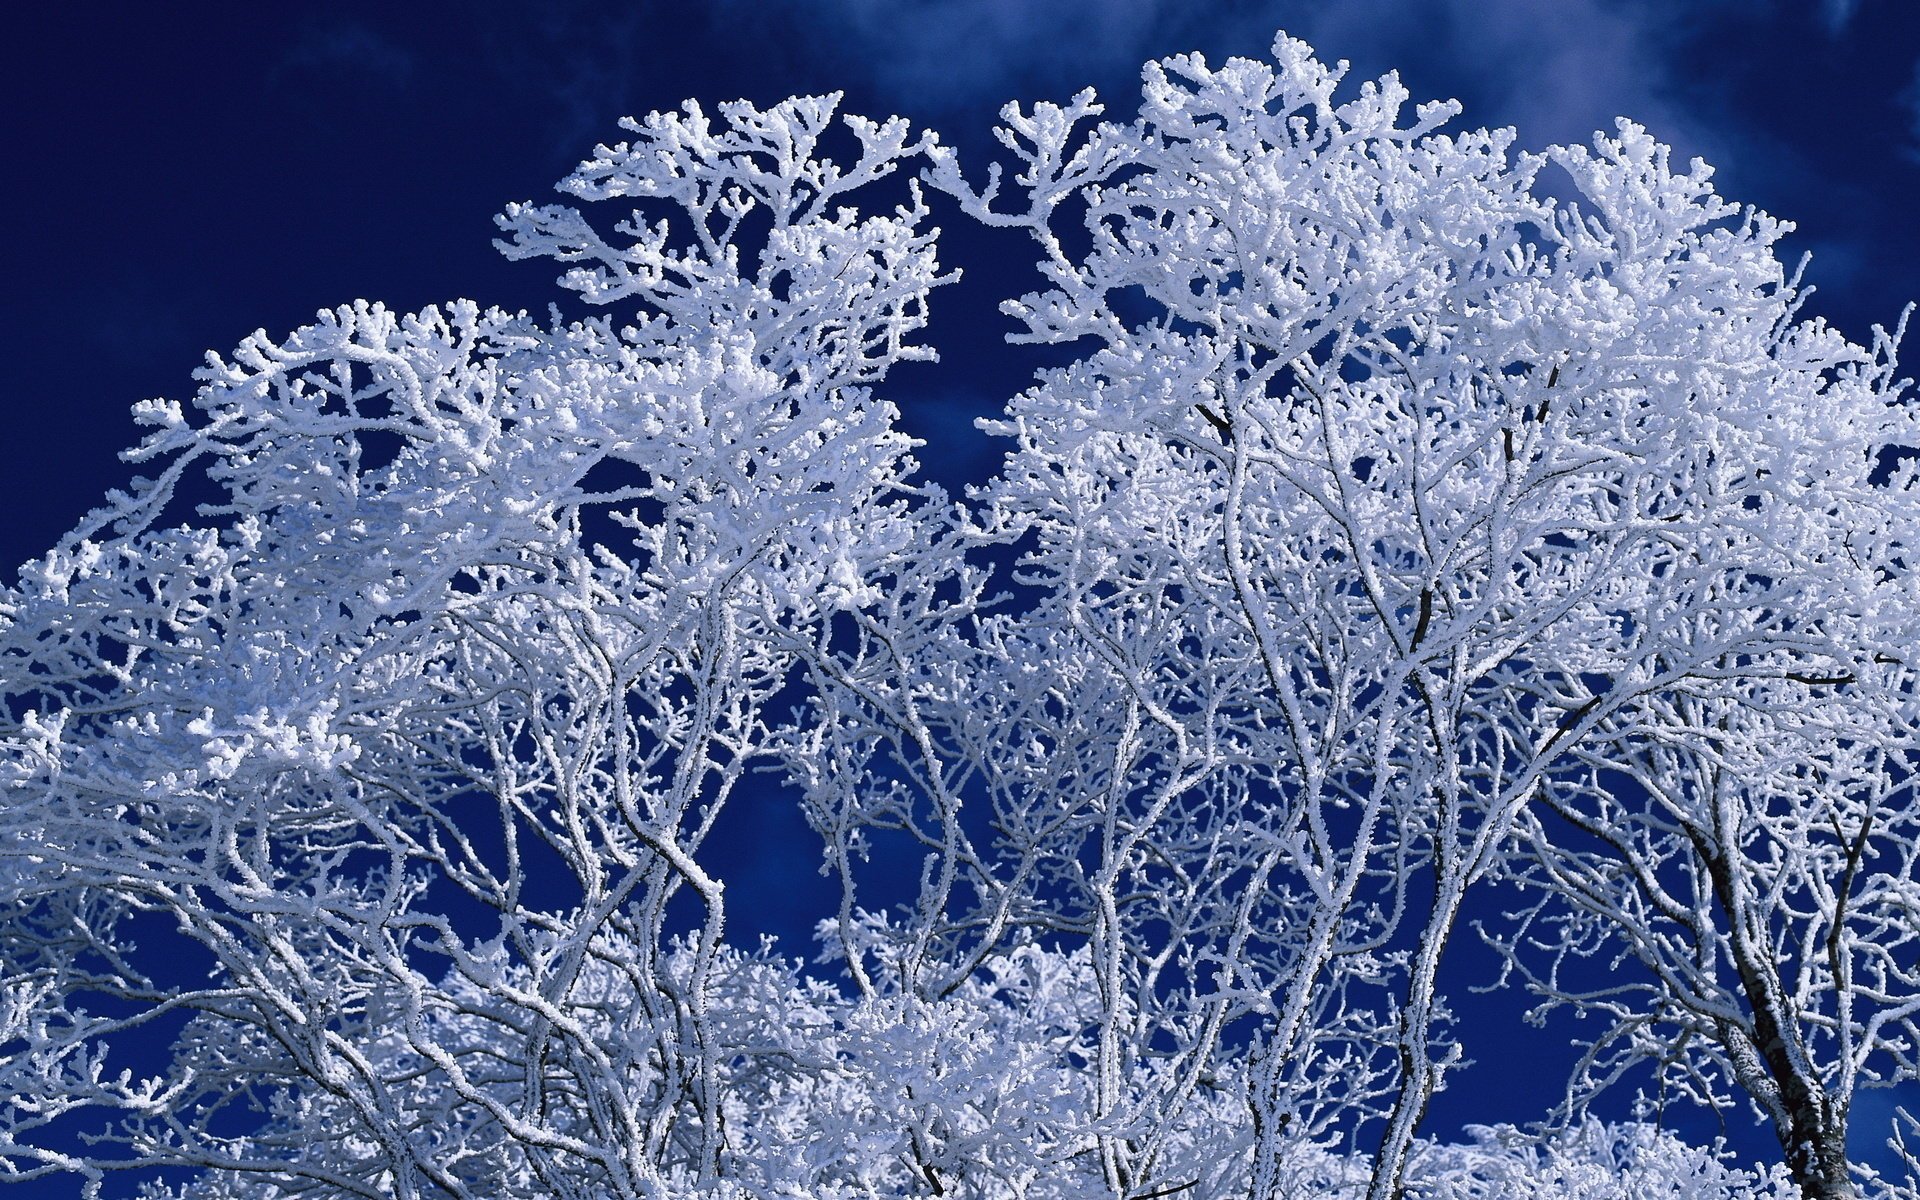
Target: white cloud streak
1557,70
350,46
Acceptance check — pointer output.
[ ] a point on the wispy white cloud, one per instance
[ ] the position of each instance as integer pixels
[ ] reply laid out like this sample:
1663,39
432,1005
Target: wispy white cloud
1909,100
939,55
1838,13
1556,69
350,46
578,60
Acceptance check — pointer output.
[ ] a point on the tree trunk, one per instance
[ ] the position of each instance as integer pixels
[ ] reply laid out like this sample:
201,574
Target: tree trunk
1810,1122
1817,1156
1420,1075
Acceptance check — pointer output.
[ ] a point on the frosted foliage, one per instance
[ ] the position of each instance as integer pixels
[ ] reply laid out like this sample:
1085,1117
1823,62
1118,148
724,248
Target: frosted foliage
1423,505
1405,537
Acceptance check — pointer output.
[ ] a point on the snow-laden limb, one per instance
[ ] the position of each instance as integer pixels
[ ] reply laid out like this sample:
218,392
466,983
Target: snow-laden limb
1389,501
983,1092
1587,1161
470,643
1396,527
1906,1143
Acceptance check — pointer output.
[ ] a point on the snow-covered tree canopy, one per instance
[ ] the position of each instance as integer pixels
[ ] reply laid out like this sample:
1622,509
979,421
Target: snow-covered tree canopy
1415,520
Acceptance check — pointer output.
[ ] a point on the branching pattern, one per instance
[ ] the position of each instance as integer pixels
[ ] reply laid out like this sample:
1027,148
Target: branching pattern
1398,533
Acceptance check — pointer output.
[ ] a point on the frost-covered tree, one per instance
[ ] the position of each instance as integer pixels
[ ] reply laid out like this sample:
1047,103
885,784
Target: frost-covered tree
1398,504
1398,526
445,688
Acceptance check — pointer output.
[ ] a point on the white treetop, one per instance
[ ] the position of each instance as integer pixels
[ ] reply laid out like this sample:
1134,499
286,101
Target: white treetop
1420,528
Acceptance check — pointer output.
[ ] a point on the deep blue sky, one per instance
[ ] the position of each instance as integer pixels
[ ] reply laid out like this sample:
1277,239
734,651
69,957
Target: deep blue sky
184,174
